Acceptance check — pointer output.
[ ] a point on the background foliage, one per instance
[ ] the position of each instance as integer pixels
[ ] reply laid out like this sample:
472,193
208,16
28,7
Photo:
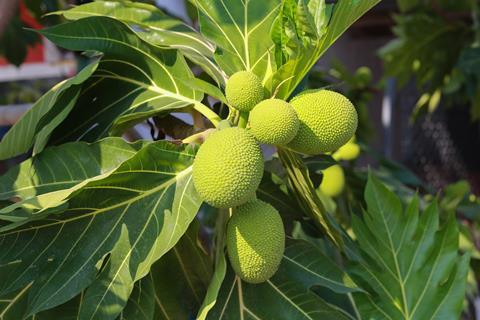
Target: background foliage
94,227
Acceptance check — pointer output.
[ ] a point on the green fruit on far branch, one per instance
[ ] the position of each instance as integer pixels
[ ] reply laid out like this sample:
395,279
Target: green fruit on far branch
244,90
228,168
327,121
274,121
349,151
255,241
333,181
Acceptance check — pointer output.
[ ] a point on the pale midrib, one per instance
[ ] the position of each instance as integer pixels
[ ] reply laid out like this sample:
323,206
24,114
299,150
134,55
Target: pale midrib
158,302
126,257
417,304
103,210
241,306
87,14
185,273
122,44
314,273
12,302
153,88
228,298
221,30
288,299
395,259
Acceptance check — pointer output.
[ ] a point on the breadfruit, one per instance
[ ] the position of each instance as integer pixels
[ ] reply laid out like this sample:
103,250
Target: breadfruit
244,90
228,168
327,121
255,241
274,121
348,151
333,181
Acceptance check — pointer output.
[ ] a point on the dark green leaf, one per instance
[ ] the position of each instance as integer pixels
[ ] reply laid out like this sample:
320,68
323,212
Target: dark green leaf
141,303
63,167
181,277
145,79
411,266
156,28
286,295
135,215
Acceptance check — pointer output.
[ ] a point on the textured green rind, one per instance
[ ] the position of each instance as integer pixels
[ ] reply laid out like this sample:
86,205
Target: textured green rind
228,168
255,241
244,90
274,121
333,181
327,121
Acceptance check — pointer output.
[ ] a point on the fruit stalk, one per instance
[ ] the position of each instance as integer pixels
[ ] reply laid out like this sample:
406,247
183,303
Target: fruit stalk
306,195
243,120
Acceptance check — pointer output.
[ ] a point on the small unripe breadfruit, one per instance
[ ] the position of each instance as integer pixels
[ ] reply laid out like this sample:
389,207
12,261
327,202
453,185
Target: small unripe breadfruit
228,168
255,241
333,181
348,151
244,90
327,121
274,121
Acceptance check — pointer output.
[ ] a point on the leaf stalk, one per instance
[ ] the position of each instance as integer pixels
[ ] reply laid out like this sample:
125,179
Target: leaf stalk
208,113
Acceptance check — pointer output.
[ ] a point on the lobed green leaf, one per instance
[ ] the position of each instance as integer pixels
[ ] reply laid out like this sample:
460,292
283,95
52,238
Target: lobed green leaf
411,267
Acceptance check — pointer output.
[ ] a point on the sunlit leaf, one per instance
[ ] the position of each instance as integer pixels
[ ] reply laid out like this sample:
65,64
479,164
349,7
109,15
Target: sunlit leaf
135,215
343,14
156,28
240,31
145,79
64,166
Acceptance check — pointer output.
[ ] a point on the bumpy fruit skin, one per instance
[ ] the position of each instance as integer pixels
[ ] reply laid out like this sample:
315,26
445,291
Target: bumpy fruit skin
333,181
274,121
255,241
228,168
327,121
244,90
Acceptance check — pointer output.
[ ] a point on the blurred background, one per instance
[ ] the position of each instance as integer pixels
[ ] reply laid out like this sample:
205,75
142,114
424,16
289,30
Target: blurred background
412,68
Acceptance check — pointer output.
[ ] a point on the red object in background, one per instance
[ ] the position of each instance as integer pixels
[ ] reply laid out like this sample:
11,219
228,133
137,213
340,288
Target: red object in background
35,53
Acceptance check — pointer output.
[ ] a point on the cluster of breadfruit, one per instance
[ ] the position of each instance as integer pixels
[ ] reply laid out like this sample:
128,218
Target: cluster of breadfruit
228,167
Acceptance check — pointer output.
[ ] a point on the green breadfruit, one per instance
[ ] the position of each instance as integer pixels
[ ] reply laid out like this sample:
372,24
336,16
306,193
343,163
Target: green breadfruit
333,181
274,121
228,168
255,241
327,121
244,90
349,151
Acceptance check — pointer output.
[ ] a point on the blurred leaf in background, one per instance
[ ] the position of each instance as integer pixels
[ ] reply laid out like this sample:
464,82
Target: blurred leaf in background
436,44
16,38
